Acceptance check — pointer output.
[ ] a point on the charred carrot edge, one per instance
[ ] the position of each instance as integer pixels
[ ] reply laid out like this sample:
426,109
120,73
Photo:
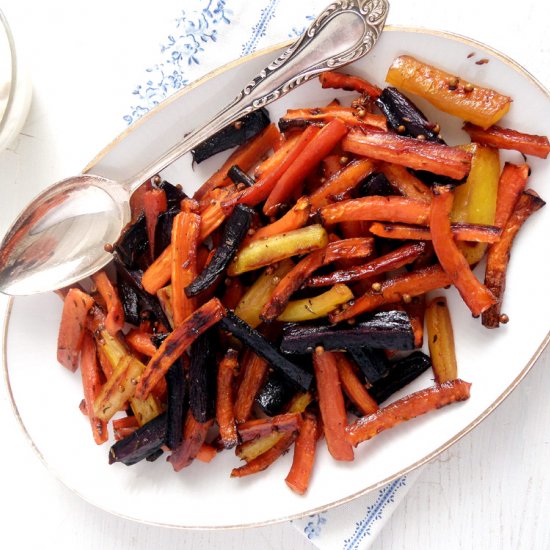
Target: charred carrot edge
176,343
123,427
298,118
331,404
194,434
476,295
295,218
505,138
91,383
393,260
245,157
331,164
76,306
141,342
341,182
348,82
311,155
114,321
304,455
410,152
409,407
185,235
441,340
353,387
377,208
395,290
407,184
461,232
154,204
293,280
206,453
158,273
255,372
251,429
265,460
265,184
510,186
234,291
224,399
499,255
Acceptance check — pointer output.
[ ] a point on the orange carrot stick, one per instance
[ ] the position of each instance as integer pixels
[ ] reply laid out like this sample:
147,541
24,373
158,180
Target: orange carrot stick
304,455
312,154
255,372
252,429
158,273
377,208
115,312
141,342
510,186
176,343
476,295
206,453
410,152
91,382
185,234
278,156
194,435
353,387
224,399
154,204
407,184
413,405
331,404
504,138
72,327
331,79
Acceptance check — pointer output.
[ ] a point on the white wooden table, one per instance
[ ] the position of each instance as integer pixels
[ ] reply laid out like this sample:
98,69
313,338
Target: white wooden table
490,491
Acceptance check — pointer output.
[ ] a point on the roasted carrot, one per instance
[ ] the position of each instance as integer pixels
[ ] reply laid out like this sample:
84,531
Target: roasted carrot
177,342
295,218
269,178
298,118
353,387
234,291
225,416
505,138
331,404
331,164
409,407
154,204
185,235
206,453
510,186
76,306
255,372
251,429
416,310
293,280
141,342
115,312
461,232
123,427
476,295
304,455
194,435
389,209
245,157
407,184
310,156
211,218
91,382
410,152
499,255
159,272
265,460
348,82
278,155
395,290
388,262
341,182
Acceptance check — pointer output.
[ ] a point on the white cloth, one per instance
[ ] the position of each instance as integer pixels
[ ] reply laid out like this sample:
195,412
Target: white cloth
201,37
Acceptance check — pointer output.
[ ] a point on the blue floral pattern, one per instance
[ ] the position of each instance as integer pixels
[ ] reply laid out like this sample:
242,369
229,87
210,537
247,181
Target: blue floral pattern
374,513
182,48
313,528
259,29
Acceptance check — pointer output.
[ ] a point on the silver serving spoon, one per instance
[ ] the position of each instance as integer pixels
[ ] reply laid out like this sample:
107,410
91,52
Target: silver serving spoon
59,238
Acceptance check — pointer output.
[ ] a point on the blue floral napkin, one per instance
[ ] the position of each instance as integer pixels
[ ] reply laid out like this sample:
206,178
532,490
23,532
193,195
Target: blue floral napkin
200,36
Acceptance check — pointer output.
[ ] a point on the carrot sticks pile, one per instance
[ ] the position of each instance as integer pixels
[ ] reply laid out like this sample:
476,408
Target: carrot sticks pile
211,333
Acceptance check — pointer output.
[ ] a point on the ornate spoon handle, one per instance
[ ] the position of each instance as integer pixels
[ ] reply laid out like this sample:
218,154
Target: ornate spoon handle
345,31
